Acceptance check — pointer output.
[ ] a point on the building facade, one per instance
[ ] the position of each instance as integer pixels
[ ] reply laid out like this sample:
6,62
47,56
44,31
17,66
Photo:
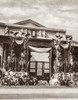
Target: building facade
32,47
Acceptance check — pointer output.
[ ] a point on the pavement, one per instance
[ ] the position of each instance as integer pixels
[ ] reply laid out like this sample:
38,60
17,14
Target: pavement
38,93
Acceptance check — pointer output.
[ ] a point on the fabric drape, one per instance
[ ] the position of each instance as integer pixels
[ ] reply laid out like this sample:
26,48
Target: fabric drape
39,50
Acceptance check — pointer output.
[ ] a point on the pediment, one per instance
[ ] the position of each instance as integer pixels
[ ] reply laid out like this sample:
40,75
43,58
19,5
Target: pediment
30,23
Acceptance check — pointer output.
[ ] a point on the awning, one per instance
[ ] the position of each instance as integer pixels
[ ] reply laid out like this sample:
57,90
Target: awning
39,50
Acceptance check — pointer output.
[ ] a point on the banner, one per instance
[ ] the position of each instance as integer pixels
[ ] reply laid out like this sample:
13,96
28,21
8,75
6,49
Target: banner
39,50
65,46
19,41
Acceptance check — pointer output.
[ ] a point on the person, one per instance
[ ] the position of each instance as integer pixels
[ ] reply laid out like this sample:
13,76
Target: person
8,62
21,63
0,73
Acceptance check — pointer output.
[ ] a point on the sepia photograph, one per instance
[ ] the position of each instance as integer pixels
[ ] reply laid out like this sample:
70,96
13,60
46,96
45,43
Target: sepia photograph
39,49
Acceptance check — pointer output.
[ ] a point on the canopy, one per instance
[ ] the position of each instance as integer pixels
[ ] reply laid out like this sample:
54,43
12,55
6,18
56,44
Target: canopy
39,50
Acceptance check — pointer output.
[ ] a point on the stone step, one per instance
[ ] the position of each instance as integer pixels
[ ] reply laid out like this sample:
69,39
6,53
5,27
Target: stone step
36,93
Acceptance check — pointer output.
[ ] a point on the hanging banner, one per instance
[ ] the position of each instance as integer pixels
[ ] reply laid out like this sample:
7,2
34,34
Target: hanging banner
39,50
19,41
65,46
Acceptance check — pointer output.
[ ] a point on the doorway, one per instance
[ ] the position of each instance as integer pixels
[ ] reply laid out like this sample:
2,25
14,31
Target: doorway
39,65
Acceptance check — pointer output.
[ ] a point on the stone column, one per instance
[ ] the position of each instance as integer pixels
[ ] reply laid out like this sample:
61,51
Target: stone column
4,57
26,53
50,63
57,62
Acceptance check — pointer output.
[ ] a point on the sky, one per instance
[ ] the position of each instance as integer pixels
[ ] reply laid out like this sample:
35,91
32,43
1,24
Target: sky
50,13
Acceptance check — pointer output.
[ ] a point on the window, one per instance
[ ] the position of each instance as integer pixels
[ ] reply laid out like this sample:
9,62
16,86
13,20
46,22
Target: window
46,67
39,69
32,67
33,33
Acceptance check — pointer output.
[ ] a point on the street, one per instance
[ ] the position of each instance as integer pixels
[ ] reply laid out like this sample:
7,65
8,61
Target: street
38,93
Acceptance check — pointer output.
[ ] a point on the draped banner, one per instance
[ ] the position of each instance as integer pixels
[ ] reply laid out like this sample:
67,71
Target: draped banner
19,41
39,50
65,46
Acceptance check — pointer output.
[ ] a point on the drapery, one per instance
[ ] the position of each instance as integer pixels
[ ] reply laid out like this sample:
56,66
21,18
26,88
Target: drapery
65,46
39,50
19,41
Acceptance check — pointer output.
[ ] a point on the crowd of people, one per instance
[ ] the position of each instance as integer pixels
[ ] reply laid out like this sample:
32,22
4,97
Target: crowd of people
64,79
16,78
10,78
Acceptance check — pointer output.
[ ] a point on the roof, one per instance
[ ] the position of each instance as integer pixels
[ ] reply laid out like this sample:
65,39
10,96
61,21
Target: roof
33,28
29,21
41,27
